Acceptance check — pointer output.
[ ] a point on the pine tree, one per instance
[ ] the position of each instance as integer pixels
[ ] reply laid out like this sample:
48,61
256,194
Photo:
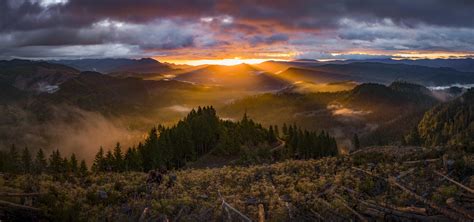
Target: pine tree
26,161
40,162
83,169
56,163
99,161
13,162
118,158
150,151
65,167
109,161
73,165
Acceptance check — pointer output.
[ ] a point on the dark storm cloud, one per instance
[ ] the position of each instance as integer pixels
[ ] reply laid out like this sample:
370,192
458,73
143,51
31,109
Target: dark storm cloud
292,14
255,40
174,24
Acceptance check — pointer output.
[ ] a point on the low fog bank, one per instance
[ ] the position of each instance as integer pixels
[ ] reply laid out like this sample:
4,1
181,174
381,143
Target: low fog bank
69,129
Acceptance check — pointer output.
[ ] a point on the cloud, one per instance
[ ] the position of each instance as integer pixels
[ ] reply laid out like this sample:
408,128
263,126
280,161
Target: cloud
169,27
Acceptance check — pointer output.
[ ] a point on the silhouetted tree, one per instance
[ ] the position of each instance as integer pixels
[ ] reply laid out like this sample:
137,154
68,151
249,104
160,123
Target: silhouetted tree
40,164
26,161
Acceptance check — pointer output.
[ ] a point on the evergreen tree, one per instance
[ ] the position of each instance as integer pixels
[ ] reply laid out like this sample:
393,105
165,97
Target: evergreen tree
56,163
83,169
26,161
118,158
99,161
40,162
73,165
109,161
13,162
150,152
65,167
277,132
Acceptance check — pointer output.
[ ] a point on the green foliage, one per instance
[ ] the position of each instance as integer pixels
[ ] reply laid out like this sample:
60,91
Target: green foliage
201,132
303,144
373,157
26,161
73,165
40,162
450,123
12,162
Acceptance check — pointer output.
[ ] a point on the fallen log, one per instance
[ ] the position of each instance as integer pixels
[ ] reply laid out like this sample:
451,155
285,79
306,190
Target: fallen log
422,161
453,205
393,181
317,215
455,182
18,206
430,203
403,174
344,203
388,209
2,194
261,213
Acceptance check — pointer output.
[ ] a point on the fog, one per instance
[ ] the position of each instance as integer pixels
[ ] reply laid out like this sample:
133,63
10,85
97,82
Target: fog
69,129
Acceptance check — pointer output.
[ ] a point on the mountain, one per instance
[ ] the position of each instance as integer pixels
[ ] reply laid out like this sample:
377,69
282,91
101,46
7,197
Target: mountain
465,65
94,91
376,71
392,98
387,73
280,66
10,94
293,74
144,65
35,76
98,92
450,123
242,77
303,87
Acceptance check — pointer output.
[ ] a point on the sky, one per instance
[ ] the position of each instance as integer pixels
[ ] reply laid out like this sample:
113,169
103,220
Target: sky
203,31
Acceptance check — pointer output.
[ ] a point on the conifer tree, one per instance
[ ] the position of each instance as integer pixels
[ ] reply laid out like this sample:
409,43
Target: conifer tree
83,169
13,162
99,161
73,165
26,161
118,158
40,164
56,163
109,161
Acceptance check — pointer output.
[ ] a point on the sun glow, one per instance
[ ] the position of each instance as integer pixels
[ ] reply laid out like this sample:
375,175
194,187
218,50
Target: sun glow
226,62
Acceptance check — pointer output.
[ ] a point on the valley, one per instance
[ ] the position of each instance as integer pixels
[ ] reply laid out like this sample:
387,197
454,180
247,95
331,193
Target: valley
305,141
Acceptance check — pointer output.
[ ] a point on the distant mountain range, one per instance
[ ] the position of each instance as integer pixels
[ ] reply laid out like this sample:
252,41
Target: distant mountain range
464,65
144,65
33,76
383,73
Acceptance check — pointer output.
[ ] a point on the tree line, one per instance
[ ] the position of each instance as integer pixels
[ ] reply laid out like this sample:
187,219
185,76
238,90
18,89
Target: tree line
304,144
22,161
201,132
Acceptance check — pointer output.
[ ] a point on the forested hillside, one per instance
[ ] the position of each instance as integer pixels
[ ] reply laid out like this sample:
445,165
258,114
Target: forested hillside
202,133
450,123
